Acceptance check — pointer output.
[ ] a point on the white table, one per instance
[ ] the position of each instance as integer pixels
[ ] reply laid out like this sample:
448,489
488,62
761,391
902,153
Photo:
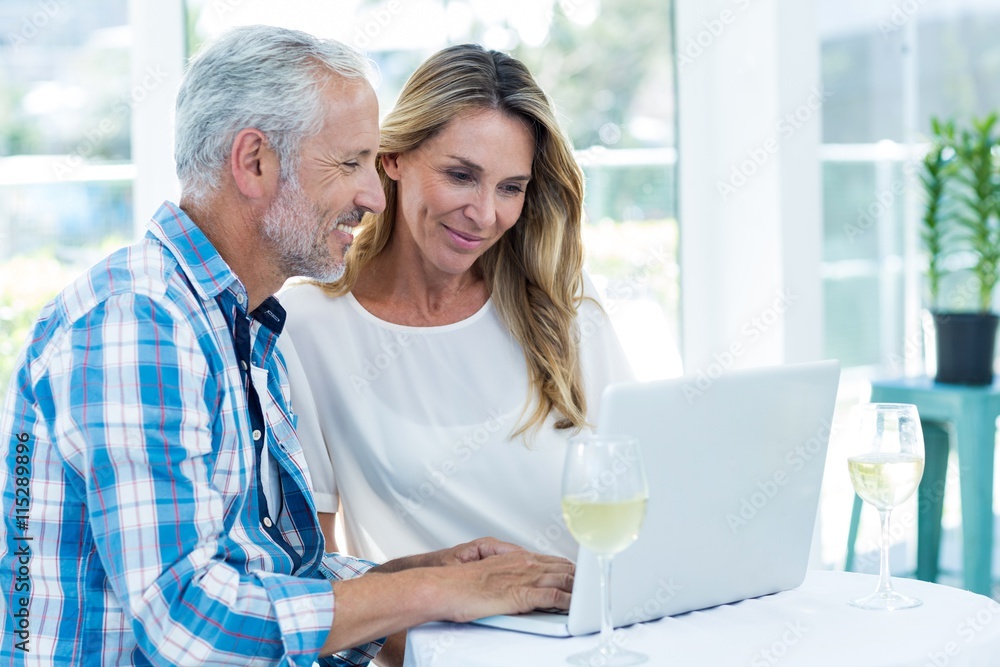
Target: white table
811,626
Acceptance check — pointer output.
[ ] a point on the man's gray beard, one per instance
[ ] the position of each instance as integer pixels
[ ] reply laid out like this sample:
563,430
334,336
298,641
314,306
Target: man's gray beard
291,225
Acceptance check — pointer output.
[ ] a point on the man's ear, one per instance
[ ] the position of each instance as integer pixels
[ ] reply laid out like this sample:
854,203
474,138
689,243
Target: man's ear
390,164
254,164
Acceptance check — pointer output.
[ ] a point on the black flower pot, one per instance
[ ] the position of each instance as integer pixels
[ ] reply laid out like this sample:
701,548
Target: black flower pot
965,343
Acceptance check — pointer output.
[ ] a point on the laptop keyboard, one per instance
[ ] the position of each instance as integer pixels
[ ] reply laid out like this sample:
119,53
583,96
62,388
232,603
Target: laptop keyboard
556,612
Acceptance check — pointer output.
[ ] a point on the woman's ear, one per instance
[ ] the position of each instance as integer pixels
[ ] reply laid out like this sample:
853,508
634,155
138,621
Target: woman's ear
390,164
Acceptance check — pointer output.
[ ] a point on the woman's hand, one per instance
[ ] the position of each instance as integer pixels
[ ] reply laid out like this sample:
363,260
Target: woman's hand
477,549
469,552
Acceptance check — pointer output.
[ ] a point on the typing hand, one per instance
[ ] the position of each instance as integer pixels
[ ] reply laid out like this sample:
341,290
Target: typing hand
469,552
478,549
512,582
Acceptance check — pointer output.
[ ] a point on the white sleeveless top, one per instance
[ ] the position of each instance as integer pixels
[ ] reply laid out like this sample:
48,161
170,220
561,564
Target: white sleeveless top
409,427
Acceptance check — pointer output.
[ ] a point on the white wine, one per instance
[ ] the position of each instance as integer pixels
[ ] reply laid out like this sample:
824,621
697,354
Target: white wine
885,480
604,528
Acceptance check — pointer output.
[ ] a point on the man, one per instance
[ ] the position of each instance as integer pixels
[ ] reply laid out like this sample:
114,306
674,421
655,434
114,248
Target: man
156,509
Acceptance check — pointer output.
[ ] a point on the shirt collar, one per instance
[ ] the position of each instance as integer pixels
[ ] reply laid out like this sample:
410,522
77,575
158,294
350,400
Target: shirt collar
195,254
271,315
203,264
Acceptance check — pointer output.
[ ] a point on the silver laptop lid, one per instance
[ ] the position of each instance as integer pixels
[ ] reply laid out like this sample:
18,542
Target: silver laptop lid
735,466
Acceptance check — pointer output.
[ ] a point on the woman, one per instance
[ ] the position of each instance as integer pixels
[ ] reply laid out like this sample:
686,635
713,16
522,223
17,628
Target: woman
438,380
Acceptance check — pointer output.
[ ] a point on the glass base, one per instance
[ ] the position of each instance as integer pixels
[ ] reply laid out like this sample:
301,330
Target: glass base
607,655
887,601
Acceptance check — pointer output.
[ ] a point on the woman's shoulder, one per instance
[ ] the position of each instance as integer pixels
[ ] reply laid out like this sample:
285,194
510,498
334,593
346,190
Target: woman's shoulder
309,308
593,315
592,296
589,288
301,295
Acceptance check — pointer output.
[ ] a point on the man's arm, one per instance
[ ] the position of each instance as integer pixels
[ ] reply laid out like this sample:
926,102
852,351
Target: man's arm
392,652
383,603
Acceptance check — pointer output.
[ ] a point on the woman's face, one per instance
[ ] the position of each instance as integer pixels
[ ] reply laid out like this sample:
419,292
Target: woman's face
459,191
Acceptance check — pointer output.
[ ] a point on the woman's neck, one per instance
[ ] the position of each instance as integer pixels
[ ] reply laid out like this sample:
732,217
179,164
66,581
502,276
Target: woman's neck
400,287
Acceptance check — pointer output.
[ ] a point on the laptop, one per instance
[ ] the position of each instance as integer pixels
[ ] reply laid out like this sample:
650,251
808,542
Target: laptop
735,464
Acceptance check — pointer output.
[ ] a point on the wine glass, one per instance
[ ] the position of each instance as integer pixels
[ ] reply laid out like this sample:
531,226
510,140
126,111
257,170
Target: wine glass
604,494
886,464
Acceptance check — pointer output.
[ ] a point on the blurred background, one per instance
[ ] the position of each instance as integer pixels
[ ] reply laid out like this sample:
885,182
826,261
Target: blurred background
695,226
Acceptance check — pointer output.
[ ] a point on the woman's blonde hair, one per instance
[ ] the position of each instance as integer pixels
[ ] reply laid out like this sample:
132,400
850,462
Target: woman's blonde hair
534,273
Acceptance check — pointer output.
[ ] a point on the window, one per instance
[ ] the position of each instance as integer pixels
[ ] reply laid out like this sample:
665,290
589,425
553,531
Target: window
65,149
67,179
607,65
890,67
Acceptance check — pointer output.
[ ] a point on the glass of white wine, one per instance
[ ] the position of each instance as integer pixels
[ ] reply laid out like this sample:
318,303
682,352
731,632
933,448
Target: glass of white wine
604,495
886,463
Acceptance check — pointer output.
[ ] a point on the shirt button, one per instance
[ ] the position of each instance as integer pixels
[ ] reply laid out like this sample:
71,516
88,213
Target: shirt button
267,522
243,364
256,435
240,299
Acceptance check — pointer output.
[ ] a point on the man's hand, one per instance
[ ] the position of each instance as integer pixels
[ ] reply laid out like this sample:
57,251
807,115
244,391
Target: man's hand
495,578
510,582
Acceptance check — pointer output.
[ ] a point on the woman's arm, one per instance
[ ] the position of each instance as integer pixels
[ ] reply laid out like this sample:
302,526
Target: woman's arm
327,521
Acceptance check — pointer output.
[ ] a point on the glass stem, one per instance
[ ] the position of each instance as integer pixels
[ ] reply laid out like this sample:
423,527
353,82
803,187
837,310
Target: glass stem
884,584
606,629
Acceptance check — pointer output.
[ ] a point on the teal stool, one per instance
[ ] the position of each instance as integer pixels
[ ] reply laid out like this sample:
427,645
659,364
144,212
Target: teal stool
972,414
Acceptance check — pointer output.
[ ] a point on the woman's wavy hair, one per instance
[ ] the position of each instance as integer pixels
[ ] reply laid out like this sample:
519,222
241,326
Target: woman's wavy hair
534,272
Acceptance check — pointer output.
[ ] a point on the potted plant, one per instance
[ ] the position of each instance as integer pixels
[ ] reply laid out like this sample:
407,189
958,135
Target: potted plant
961,233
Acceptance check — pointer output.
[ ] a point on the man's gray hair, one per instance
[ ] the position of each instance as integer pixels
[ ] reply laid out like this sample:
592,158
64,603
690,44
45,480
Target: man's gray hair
262,77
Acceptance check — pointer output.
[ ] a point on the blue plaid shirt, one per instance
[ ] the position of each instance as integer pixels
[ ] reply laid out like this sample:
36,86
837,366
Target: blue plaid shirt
133,530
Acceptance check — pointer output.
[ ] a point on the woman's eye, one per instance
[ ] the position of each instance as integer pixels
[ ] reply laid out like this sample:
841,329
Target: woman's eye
459,176
513,189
